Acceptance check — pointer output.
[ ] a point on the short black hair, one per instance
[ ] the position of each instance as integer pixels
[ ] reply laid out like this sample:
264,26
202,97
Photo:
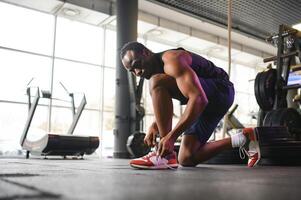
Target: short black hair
134,46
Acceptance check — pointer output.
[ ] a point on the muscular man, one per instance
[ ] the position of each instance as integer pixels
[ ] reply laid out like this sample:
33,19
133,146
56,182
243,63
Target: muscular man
207,93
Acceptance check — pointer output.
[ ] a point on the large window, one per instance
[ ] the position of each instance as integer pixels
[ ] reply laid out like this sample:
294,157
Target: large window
243,79
79,41
26,41
20,69
26,29
110,48
78,78
44,50
30,57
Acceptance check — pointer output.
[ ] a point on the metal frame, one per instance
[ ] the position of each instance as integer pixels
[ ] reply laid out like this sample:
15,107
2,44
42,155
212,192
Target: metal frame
285,59
77,114
32,108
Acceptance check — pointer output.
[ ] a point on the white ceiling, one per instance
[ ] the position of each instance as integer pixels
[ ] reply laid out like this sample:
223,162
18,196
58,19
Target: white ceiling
197,35
48,6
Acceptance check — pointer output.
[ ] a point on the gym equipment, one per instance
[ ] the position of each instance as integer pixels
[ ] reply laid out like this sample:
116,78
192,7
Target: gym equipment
271,86
229,156
53,144
264,89
287,117
277,146
279,127
288,48
136,145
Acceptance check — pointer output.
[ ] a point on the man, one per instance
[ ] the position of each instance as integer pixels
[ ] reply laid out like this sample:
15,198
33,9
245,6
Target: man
207,93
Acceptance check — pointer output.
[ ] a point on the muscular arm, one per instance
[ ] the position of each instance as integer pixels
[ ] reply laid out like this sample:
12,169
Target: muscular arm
177,64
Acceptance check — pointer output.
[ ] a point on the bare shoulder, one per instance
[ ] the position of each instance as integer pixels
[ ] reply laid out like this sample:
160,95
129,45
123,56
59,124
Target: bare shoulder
176,62
176,55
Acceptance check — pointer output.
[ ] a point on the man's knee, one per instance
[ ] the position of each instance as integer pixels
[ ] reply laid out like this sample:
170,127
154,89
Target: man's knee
187,160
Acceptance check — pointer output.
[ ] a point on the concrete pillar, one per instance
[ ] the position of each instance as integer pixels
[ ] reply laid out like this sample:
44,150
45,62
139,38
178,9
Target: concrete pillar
127,16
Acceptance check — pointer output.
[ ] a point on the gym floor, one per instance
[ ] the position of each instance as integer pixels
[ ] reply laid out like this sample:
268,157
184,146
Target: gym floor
112,179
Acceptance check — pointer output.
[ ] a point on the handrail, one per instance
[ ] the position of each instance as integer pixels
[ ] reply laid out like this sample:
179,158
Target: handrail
30,116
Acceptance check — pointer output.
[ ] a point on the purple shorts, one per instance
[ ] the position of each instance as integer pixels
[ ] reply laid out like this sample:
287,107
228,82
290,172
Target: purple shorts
220,95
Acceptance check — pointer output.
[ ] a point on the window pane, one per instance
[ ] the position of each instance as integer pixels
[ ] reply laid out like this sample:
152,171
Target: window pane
88,124
26,29
148,120
110,52
78,78
61,119
246,106
146,98
78,41
157,47
12,122
109,89
107,141
241,77
219,63
17,69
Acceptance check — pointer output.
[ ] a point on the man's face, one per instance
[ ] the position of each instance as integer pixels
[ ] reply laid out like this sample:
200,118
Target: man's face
137,63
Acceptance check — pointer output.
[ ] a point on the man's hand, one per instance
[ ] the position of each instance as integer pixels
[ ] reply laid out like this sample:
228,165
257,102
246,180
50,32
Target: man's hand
166,146
150,138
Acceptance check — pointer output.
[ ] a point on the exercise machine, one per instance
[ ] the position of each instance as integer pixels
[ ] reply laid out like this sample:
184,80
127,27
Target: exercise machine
55,144
279,125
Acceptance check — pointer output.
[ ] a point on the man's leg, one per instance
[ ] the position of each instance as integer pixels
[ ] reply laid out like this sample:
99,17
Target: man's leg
192,152
162,89
162,103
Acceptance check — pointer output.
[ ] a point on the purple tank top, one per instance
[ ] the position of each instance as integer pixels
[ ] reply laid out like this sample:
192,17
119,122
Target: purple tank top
201,66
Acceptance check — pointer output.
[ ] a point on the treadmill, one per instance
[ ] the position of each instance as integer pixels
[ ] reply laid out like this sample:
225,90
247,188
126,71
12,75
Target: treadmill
56,144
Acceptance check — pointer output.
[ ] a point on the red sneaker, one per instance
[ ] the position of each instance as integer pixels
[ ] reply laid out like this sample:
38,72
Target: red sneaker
253,160
152,161
251,147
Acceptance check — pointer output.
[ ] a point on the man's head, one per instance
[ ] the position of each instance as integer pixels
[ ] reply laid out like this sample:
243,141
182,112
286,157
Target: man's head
136,58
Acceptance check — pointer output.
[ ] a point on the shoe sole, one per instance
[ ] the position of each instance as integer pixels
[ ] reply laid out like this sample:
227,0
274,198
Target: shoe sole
173,166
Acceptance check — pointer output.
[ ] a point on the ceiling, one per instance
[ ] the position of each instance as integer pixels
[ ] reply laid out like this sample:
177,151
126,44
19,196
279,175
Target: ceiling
257,18
162,28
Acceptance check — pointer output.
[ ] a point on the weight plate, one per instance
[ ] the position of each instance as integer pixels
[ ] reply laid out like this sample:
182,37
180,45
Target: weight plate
275,118
288,117
265,89
136,146
256,89
268,118
262,90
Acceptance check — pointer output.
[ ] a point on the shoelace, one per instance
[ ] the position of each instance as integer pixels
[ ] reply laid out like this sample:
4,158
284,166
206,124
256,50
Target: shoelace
158,158
242,152
165,164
